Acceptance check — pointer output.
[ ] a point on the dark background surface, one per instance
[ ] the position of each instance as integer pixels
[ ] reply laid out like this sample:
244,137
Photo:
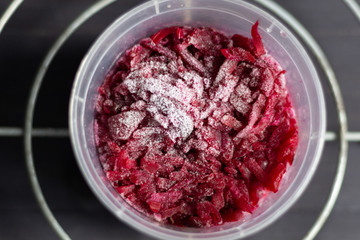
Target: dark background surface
23,44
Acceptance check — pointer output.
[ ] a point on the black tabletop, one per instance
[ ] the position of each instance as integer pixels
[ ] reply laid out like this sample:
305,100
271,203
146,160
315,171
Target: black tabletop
24,42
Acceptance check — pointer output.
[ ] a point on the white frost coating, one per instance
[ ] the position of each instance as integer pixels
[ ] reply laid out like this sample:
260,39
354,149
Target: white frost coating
182,122
123,124
161,84
157,86
169,94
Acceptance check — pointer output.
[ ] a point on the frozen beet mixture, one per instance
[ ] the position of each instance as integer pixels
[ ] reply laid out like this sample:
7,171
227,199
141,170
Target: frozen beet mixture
193,127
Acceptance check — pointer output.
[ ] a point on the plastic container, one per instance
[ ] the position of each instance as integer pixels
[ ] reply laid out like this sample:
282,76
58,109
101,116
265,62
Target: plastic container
230,17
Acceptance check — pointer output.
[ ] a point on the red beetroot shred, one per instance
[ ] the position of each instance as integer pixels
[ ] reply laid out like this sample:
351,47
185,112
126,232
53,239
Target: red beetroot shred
193,128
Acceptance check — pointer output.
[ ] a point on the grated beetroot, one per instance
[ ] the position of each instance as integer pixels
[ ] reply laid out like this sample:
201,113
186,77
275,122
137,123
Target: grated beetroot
194,128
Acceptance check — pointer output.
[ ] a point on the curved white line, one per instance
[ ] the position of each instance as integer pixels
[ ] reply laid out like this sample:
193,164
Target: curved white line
354,7
30,113
319,54
8,13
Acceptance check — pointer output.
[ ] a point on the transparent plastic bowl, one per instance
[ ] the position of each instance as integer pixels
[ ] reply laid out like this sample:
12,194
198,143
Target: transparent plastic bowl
231,17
